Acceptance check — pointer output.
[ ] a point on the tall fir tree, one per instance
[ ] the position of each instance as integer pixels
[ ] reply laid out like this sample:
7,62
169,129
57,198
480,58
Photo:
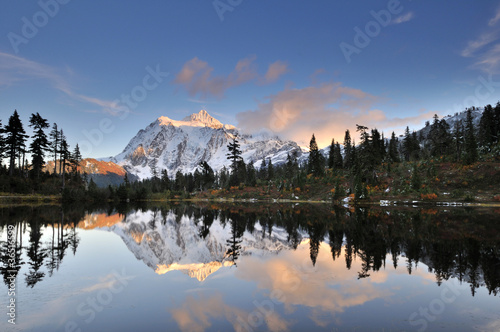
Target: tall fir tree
263,169
55,142
487,127
378,146
338,161
270,170
76,159
407,144
251,178
234,153
458,138
64,156
347,150
471,155
15,140
315,164
40,143
496,126
393,149
331,155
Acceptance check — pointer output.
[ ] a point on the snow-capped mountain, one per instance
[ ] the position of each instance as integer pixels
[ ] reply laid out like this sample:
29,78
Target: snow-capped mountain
182,145
165,243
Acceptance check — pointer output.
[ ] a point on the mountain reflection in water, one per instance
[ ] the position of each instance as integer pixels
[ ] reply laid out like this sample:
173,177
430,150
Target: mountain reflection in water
317,256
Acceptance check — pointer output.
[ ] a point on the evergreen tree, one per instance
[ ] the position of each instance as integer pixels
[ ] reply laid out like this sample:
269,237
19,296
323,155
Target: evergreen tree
487,127
236,162
393,149
165,181
338,162
347,150
234,153
366,153
270,170
179,182
55,137
439,137
15,140
496,126
331,155
207,175
263,169
415,146
377,146
251,178
65,155
315,164
40,143
76,159
470,140
289,167
411,147
458,137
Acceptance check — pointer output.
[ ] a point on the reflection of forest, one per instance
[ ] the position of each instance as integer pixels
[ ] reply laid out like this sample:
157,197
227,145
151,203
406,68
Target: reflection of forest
30,221
459,243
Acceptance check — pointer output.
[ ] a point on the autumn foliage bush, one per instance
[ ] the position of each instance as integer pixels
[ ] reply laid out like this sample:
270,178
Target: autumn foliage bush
428,197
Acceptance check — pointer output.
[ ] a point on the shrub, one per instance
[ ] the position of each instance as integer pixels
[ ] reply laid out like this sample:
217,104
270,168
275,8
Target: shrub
428,197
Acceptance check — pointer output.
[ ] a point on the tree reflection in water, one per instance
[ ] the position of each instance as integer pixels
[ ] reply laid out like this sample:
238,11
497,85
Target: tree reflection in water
459,243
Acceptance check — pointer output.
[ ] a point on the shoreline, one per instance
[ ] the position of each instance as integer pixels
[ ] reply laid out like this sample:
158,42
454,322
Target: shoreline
390,201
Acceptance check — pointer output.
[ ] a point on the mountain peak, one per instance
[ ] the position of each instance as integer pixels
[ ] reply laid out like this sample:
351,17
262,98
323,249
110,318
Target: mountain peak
200,119
205,118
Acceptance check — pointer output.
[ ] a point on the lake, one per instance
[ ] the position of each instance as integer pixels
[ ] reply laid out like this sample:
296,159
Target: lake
249,267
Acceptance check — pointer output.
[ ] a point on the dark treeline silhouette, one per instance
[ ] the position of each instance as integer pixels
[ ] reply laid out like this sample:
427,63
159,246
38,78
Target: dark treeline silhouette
22,176
465,143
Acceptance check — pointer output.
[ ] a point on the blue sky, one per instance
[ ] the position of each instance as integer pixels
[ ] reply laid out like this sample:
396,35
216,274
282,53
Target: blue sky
292,67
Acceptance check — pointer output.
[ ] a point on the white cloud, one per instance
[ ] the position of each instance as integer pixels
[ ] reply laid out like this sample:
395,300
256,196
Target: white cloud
495,19
15,69
403,18
474,45
485,49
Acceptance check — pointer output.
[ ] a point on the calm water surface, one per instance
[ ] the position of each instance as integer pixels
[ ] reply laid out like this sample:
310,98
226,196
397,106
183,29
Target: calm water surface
249,268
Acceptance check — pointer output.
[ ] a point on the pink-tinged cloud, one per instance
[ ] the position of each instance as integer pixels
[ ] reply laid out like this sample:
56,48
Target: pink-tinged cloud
326,110
275,71
197,314
489,61
196,77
